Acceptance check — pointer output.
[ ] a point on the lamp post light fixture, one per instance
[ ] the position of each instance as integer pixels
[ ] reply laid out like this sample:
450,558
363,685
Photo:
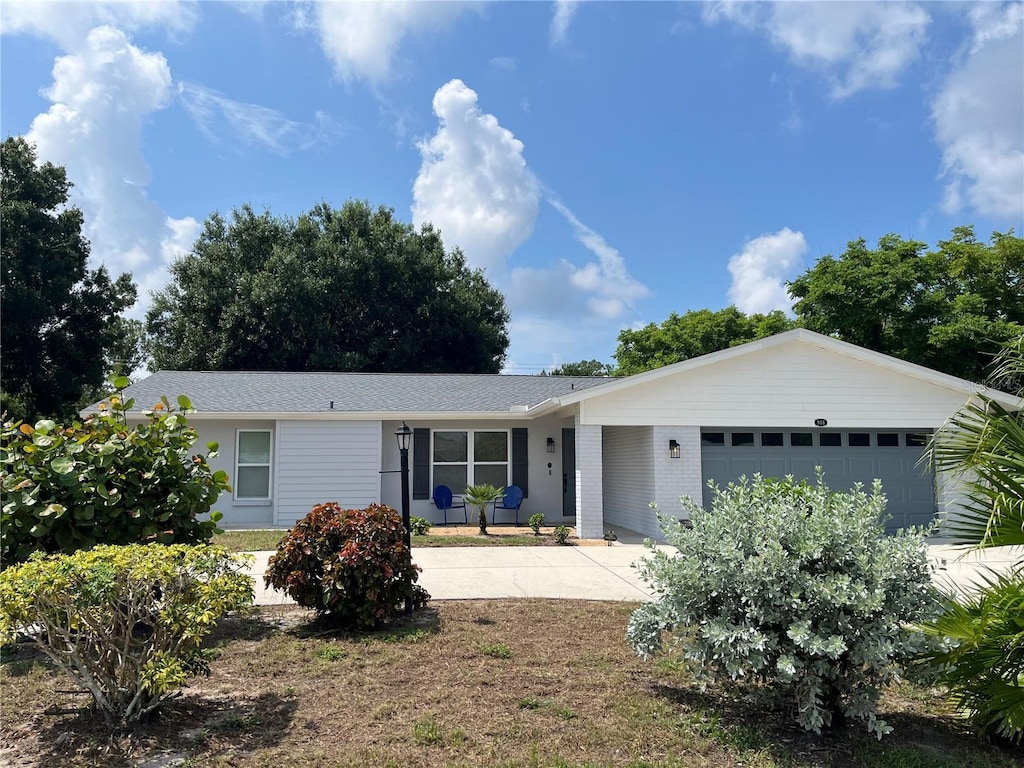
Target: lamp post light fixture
404,435
674,451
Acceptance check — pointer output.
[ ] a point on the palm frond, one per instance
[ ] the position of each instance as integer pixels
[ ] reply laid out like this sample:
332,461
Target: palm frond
982,447
983,658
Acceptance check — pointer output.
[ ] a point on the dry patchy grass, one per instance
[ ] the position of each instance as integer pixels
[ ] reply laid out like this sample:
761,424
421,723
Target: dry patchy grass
468,683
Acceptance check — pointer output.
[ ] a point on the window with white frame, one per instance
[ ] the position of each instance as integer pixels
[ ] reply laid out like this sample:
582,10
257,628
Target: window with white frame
252,464
470,457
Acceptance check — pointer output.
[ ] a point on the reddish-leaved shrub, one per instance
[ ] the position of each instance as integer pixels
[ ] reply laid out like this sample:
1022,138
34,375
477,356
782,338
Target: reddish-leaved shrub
349,565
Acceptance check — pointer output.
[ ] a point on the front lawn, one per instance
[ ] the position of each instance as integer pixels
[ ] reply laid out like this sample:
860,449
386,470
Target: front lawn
462,536
467,683
249,541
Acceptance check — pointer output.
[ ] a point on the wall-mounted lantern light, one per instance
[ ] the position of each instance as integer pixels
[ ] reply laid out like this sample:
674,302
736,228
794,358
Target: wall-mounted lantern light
674,451
551,445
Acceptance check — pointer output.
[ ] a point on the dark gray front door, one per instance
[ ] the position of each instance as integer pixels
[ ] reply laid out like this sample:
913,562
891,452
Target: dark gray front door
569,473
846,456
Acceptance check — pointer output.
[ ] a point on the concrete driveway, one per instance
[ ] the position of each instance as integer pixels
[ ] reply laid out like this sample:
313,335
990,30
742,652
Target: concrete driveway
594,573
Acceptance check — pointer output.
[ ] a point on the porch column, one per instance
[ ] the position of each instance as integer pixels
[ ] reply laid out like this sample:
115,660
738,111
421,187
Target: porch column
589,482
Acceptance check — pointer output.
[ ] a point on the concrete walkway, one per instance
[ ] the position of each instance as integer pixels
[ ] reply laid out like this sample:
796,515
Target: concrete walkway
592,573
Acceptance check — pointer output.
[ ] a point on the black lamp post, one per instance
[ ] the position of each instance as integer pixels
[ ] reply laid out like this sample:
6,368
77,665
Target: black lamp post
404,435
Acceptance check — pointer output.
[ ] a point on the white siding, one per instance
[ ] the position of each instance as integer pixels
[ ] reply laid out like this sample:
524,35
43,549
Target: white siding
589,485
785,386
320,461
629,478
237,514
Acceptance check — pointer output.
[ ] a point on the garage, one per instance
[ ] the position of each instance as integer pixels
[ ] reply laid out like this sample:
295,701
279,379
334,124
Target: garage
845,456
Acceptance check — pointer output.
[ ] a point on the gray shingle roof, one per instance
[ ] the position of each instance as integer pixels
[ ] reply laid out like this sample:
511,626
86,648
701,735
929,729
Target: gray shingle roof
263,392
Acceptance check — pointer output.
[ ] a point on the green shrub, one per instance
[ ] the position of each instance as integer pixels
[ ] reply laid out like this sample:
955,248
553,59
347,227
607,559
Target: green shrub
794,587
536,521
561,534
99,481
420,525
349,565
126,623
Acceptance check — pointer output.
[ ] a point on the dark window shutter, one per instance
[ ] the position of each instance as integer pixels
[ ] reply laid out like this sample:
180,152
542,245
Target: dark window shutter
421,463
520,460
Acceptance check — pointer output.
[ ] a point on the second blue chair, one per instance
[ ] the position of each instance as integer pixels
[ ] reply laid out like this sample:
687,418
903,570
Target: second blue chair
513,499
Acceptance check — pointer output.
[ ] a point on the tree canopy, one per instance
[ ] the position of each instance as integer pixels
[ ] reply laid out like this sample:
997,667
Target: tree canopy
345,290
692,334
950,309
59,317
582,368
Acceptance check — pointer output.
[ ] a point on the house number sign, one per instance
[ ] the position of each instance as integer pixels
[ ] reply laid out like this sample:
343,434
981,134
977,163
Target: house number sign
821,422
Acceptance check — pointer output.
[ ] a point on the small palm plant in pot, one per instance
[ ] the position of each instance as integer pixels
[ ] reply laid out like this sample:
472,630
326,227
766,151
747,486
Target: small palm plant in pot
480,496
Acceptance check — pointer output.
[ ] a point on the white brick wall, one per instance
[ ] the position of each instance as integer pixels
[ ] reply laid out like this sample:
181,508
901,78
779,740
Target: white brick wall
629,478
676,477
589,483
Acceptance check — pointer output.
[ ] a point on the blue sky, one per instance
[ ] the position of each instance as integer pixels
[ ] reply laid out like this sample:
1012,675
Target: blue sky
606,163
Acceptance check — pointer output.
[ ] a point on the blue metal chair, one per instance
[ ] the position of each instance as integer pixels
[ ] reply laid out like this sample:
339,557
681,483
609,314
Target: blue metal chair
444,501
513,499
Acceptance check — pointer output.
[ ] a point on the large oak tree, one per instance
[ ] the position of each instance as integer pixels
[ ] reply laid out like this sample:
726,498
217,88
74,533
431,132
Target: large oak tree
59,319
350,289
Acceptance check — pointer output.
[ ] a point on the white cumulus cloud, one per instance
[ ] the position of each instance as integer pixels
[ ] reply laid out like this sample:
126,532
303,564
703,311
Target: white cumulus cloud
251,124
979,122
760,270
475,187
362,39
101,96
473,183
562,12
859,45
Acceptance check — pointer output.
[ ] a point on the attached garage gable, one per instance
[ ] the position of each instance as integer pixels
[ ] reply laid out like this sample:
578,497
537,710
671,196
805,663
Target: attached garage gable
787,384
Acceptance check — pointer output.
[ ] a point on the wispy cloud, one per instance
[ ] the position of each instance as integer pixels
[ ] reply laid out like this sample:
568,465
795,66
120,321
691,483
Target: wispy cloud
216,116
856,45
562,12
362,39
610,288
979,127
68,23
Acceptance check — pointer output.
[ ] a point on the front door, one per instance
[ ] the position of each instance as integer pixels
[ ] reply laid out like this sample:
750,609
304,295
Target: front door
569,473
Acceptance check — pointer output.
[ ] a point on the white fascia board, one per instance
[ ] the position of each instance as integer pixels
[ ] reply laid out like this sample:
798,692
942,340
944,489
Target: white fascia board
920,372
336,415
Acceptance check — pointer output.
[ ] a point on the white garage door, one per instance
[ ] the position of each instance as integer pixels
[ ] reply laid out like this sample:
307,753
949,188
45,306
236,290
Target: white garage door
845,456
